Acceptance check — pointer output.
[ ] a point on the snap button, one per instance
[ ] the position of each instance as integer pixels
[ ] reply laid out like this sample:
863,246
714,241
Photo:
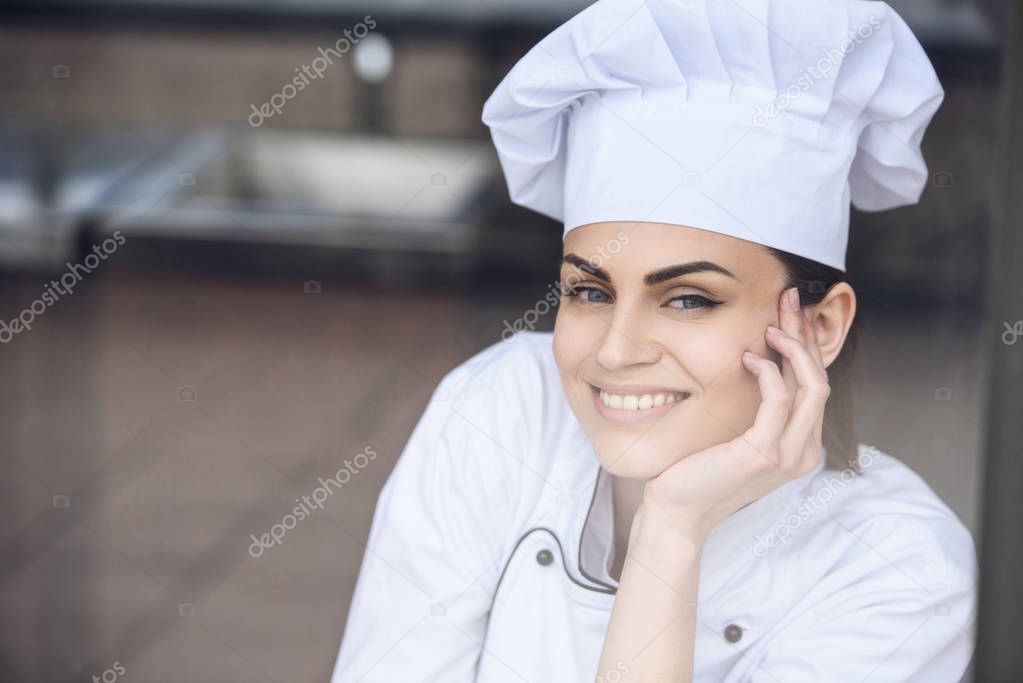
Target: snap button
733,633
545,557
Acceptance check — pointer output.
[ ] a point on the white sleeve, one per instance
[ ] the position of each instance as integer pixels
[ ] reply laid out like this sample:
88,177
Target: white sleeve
901,608
420,607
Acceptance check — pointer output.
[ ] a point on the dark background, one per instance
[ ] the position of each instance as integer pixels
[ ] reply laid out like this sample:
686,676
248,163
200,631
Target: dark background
290,294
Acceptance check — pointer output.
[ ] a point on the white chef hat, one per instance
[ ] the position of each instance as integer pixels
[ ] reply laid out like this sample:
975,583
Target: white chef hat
759,119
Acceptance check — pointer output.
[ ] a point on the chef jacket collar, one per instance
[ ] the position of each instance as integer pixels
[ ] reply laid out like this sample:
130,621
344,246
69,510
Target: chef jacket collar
730,542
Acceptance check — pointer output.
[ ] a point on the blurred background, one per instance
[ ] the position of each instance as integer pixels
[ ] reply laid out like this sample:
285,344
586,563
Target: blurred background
257,282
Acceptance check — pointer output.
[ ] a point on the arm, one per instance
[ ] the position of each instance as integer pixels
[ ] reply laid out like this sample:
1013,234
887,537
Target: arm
653,621
420,607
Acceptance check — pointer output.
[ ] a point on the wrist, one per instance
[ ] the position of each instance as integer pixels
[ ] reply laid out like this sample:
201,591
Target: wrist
655,529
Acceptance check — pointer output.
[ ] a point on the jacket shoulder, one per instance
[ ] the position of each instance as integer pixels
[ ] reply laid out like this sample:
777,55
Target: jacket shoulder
508,401
521,362
890,513
875,557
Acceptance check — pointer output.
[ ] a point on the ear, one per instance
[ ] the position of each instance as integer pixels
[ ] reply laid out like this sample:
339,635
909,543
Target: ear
832,318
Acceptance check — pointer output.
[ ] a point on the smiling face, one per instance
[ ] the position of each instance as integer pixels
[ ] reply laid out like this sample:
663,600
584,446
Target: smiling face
649,337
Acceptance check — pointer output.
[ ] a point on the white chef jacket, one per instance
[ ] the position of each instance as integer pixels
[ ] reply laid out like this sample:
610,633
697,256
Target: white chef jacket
488,557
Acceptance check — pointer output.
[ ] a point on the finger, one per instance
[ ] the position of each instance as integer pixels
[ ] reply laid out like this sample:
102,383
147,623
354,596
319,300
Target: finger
805,422
809,399
791,313
791,321
775,403
805,369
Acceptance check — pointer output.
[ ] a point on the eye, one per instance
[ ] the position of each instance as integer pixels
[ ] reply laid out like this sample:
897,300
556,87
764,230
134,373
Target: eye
590,295
691,301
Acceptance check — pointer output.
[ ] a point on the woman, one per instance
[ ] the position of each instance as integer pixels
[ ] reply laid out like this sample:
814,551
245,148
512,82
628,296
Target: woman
667,488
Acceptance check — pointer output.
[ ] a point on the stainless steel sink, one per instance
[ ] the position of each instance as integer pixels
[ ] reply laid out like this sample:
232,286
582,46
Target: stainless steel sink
306,188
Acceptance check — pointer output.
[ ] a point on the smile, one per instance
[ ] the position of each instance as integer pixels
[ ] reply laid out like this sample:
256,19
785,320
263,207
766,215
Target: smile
625,406
642,402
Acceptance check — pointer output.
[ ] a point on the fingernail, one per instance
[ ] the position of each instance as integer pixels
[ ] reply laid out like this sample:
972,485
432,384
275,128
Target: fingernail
794,299
771,329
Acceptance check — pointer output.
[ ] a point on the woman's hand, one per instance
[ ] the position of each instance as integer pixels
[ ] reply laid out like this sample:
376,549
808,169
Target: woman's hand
693,495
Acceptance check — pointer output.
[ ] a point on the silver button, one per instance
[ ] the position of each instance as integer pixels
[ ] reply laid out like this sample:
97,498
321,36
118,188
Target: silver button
733,633
544,557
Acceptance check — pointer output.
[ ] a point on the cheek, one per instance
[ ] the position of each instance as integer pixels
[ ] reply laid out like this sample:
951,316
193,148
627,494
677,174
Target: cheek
713,358
574,335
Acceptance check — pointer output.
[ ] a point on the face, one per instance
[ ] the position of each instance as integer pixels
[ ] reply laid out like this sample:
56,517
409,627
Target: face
649,338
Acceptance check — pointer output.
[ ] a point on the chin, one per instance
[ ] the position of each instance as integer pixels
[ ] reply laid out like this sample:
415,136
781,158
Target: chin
633,444
644,456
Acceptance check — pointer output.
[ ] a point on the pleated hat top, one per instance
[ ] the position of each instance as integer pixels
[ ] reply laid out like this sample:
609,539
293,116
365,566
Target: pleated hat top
759,119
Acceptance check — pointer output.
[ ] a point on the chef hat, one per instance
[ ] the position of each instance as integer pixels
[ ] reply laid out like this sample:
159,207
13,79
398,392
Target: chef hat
759,119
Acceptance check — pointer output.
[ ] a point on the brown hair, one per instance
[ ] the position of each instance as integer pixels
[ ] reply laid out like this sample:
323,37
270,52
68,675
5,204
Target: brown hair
814,280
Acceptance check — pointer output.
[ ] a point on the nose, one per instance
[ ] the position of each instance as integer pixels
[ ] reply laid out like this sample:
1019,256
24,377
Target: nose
627,341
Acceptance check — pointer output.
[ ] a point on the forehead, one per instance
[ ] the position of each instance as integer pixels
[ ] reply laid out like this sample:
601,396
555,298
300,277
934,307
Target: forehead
628,246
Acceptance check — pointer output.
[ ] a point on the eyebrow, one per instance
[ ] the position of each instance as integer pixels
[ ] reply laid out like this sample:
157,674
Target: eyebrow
654,277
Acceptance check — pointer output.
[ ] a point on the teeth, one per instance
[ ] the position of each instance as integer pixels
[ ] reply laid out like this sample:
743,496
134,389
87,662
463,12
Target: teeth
644,402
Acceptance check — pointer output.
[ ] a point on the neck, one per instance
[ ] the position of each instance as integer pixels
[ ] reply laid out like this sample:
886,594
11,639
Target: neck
626,494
